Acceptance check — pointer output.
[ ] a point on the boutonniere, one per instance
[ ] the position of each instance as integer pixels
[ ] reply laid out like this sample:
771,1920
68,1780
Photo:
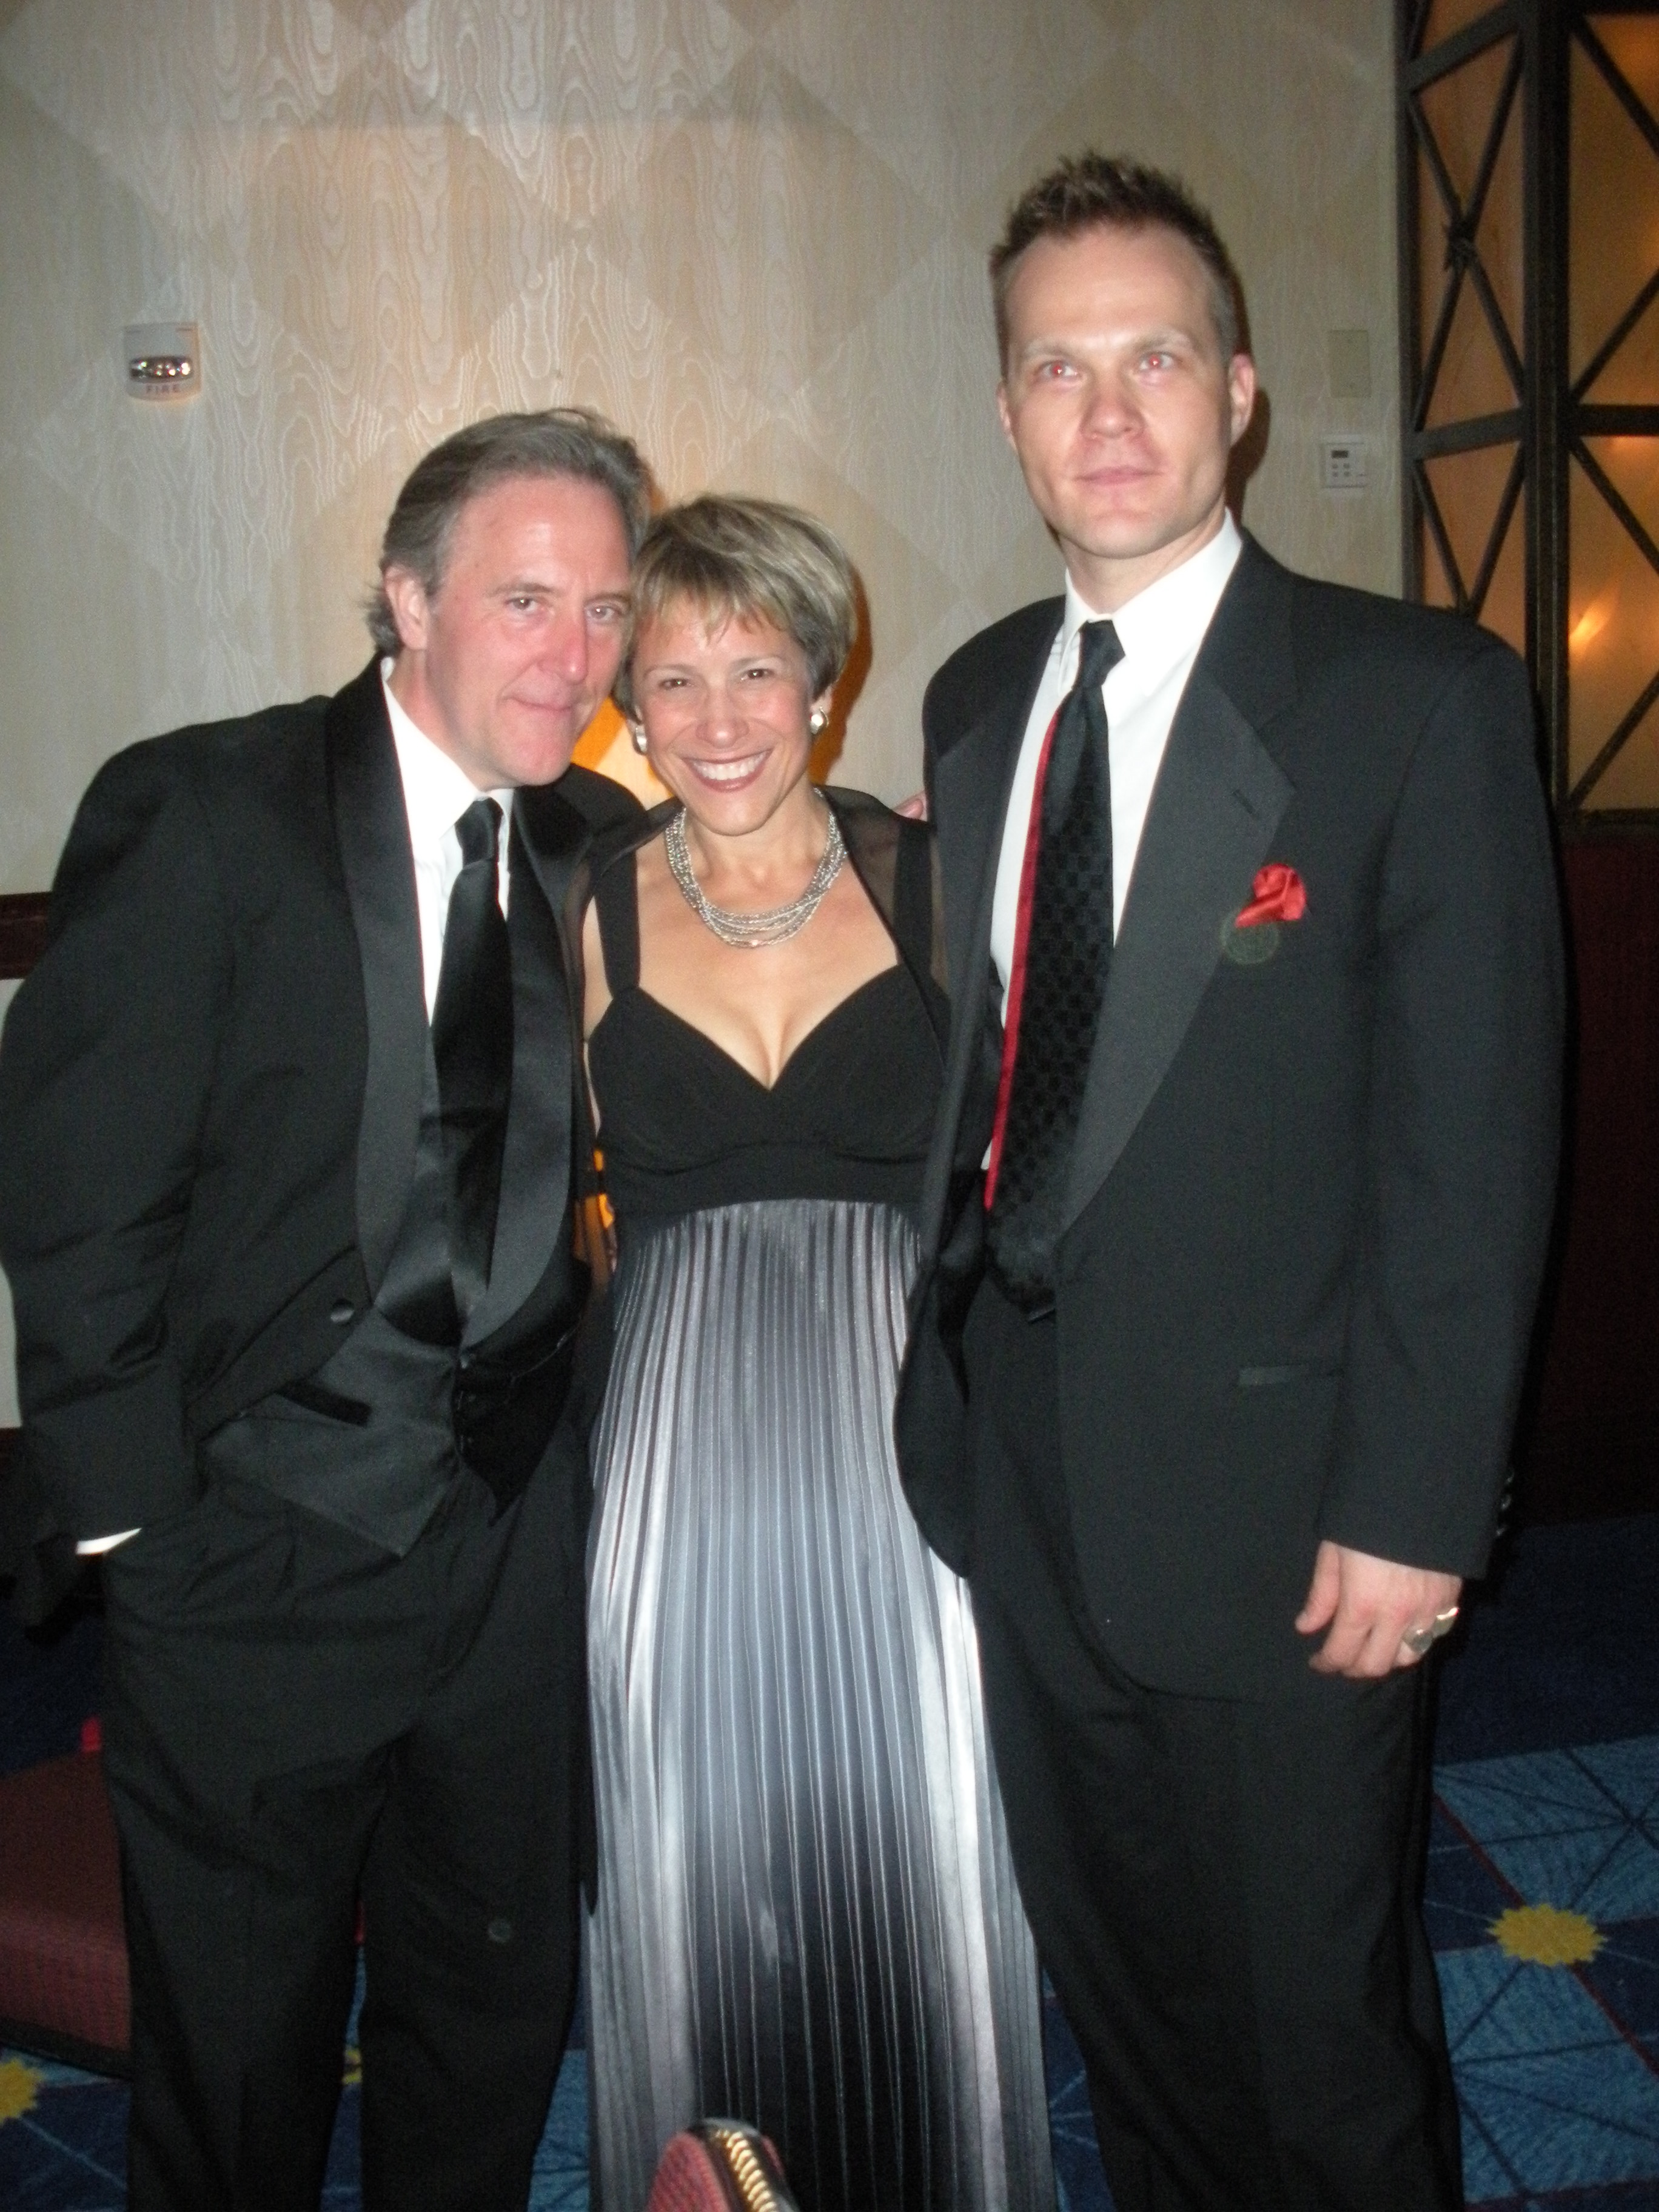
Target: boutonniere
1278,894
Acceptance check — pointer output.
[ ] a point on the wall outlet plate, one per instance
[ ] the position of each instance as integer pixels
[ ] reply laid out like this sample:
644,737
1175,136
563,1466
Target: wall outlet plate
1344,464
161,361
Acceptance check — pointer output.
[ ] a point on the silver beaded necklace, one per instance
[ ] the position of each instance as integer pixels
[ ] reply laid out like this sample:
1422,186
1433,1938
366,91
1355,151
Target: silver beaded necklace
779,923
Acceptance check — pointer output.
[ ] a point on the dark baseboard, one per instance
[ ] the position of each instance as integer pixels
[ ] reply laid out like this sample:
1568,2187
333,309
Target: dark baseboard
67,2049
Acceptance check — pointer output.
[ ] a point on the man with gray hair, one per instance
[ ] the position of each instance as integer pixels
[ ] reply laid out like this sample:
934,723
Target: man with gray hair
292,1131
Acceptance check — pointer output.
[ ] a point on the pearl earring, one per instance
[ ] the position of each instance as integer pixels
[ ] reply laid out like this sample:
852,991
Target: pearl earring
641,743
816,722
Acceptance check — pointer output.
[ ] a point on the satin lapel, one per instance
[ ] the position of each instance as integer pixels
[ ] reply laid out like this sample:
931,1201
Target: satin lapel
1218,798
970,790
970,786
549,837
372,827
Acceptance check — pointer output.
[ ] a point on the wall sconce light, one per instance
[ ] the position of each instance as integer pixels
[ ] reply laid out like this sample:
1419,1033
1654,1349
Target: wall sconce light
1589,625
161,361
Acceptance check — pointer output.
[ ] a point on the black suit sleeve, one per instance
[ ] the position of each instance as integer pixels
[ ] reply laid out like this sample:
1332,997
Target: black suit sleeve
107,1059
1464,1126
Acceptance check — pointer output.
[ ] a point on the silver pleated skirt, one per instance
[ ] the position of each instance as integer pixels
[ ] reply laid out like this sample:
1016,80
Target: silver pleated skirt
806,1914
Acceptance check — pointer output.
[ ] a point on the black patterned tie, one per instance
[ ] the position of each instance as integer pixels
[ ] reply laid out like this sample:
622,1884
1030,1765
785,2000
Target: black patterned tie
1067,953
472,1045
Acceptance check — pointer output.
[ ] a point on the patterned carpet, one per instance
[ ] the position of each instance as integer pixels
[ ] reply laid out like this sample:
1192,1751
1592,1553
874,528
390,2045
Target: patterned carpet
1542,1901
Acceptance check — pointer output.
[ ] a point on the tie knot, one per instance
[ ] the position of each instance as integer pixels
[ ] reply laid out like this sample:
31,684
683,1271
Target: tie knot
479,830
1101,652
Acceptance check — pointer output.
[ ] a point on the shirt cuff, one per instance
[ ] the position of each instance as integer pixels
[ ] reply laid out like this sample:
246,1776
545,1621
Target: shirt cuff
90,1547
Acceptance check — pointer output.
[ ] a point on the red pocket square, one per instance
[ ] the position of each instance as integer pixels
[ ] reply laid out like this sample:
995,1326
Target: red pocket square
1278,894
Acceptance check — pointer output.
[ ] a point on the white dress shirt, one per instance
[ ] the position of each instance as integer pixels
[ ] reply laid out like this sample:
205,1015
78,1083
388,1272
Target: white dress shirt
1160,630
436,794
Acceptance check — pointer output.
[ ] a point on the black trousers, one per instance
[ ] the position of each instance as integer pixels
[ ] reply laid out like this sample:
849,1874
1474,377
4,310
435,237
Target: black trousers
1225,1892
294,1720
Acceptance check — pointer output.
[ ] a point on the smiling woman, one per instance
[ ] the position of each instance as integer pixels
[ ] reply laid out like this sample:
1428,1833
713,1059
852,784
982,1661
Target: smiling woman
775,1655
744,611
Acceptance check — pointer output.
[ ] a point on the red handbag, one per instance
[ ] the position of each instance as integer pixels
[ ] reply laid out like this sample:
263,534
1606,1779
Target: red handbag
720,2166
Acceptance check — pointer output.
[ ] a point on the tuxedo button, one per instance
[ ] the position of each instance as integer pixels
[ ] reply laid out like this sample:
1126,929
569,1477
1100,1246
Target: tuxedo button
500,1931
341,1312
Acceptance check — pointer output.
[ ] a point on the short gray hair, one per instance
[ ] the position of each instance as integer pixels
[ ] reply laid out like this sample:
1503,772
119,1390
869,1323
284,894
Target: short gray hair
733,558
558,442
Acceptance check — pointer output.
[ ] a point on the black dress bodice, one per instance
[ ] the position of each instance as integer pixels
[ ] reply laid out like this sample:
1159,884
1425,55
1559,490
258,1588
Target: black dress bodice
682,1126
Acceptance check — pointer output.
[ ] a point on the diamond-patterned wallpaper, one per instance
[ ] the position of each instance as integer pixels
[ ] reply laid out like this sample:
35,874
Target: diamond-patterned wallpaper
753,233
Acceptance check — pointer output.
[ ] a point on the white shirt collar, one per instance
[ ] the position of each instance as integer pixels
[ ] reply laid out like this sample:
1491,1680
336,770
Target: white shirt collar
1165,624
437,791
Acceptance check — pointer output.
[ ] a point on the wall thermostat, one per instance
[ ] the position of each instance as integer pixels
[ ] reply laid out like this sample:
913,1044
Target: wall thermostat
1344,464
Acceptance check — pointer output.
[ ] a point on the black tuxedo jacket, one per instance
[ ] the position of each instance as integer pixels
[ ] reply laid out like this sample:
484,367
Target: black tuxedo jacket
1311,1191
210,1089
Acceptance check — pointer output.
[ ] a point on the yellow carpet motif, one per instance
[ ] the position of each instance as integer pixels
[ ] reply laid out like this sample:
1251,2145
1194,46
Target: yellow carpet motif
1545,1935
20,2085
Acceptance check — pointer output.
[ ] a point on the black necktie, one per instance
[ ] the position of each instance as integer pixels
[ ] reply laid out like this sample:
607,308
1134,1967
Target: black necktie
1067,951
472,1046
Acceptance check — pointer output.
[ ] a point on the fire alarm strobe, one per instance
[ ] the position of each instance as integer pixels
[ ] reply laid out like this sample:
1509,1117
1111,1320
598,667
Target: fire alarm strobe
162,361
